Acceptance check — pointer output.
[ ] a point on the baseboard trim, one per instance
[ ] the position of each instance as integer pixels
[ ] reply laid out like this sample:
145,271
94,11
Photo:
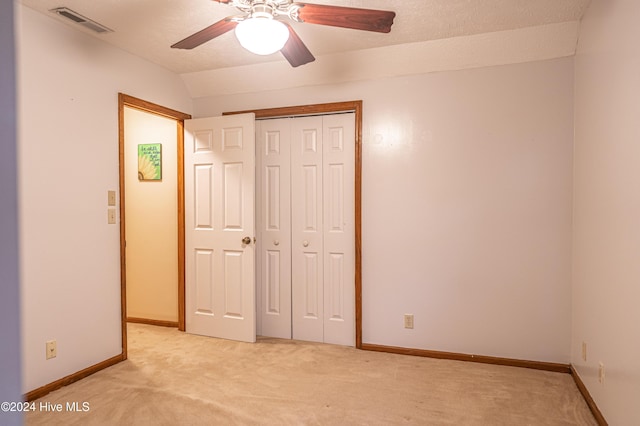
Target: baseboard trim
160,323
587,397
42,391
536,365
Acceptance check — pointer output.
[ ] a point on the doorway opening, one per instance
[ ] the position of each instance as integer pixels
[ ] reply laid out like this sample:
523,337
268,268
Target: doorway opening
131,108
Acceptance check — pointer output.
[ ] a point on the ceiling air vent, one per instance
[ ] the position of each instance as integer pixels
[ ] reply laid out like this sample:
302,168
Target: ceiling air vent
81,20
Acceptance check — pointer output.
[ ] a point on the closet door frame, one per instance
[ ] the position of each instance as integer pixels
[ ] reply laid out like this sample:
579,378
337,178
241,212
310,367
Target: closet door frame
330,108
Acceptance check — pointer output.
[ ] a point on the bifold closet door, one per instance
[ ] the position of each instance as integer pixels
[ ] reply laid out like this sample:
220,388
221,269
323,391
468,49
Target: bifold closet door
323,228
338,164
306,220
274,221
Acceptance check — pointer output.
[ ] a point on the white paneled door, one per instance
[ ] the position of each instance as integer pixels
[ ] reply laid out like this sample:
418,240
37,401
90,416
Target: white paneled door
274,230
307,228
219,183
338,195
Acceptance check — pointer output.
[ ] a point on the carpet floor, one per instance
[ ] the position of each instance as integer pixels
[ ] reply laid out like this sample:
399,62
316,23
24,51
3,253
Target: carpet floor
173,378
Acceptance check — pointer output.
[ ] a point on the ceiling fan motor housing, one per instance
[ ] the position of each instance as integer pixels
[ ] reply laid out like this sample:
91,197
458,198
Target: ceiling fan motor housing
262,11
264,8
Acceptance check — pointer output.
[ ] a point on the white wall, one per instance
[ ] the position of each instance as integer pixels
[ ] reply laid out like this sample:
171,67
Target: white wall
467,179
473,51
10,389
151,220
68,160
606,262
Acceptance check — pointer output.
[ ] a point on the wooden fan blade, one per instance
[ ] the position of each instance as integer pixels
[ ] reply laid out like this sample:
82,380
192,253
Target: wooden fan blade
295,50
203,36
346,17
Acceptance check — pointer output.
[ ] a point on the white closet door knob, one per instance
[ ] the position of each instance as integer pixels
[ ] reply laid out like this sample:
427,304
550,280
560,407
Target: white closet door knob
276,242
305,243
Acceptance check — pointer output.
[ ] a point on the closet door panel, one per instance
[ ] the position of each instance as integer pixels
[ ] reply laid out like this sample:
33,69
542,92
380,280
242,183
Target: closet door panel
307,228
274,221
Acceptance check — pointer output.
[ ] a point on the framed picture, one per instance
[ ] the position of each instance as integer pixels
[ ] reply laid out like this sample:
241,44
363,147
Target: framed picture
150,161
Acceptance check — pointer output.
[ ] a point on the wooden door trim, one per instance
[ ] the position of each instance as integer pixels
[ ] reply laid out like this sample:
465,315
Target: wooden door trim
329,108
179,117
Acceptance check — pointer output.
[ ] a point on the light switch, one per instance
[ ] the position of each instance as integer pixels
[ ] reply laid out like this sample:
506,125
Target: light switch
111,216
111,198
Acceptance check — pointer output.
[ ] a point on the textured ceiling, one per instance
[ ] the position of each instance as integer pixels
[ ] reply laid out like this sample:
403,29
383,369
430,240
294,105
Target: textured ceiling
147,28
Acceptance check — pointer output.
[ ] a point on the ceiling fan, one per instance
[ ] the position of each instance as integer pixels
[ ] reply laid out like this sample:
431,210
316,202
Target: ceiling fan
260,30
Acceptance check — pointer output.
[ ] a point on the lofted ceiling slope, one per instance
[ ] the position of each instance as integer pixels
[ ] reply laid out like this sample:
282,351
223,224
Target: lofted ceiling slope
147,28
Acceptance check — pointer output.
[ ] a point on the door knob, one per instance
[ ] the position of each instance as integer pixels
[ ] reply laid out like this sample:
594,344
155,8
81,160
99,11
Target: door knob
246,240
276,243
305,243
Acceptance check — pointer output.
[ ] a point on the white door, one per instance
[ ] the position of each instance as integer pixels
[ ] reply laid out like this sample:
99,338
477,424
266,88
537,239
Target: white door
338,136
219,227
274,235
307,228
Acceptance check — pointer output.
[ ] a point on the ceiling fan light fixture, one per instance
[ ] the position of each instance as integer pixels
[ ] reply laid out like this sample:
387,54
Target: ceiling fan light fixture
262,35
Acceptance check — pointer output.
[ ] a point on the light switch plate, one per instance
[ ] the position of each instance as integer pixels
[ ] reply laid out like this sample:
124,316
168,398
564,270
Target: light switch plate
111,198
111,216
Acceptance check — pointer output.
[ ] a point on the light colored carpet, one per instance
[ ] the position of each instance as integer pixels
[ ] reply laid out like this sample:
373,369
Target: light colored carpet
173,378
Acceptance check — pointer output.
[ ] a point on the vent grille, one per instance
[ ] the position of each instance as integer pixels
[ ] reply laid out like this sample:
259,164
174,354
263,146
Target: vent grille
81,20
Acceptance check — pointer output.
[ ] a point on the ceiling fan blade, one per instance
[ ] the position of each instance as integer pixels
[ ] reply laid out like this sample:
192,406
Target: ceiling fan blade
203,36
346,17
295,50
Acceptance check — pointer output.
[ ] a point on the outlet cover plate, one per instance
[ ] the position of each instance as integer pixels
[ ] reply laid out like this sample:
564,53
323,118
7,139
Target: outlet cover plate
52,349
408,320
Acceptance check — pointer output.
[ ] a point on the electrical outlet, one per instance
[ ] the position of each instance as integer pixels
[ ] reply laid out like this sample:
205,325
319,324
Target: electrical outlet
111,216
601,373
408,320
584,351
111,198
52,349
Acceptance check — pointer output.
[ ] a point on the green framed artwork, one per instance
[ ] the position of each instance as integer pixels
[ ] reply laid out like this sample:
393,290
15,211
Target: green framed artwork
150,161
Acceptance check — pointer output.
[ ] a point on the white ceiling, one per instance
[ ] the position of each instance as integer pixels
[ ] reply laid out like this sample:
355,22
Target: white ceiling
147,28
